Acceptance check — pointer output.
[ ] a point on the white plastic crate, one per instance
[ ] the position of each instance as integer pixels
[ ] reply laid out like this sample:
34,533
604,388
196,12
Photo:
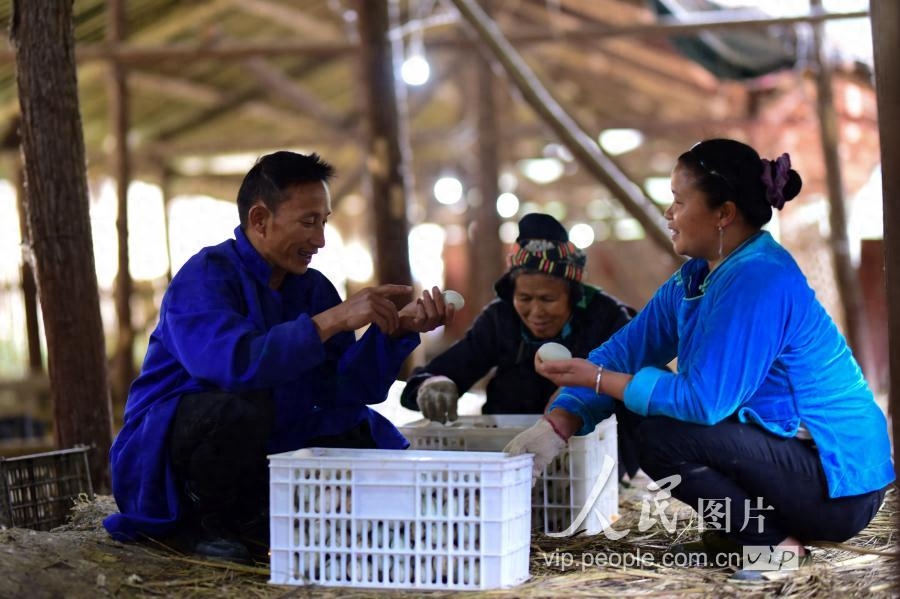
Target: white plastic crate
399,519
564,486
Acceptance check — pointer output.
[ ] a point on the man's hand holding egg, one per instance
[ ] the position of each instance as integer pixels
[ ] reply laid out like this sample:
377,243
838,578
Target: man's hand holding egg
431,310
454,298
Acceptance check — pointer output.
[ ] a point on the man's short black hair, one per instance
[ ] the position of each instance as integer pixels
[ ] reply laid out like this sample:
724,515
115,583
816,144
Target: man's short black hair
273,174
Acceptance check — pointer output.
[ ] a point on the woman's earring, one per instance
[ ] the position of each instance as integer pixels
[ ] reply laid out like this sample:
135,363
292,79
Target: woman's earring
721,240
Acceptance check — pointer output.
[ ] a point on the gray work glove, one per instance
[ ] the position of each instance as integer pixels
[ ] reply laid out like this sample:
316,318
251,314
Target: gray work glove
542,440
437,398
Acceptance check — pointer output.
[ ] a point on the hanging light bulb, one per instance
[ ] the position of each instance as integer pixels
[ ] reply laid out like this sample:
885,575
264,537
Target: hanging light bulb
448,190
415,69
507,204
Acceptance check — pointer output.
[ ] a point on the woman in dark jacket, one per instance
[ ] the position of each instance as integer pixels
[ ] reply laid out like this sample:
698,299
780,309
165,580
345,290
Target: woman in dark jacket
540,298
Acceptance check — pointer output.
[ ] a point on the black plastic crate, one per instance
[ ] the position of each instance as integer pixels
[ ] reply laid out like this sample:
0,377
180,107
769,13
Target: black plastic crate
39,490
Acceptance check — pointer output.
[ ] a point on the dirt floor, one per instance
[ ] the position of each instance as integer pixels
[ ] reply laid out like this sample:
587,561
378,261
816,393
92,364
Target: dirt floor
79,560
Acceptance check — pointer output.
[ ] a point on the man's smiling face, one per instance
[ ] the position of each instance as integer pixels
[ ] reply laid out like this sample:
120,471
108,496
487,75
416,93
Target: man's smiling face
289,237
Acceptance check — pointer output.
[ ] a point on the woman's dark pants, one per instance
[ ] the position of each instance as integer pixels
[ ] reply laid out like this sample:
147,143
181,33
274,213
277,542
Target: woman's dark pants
763,488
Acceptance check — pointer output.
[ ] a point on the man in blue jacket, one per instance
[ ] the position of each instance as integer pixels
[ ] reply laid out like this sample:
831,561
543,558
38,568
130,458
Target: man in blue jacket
255,353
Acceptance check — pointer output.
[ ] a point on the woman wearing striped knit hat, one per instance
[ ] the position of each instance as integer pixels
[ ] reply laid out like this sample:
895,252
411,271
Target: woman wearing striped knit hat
540,298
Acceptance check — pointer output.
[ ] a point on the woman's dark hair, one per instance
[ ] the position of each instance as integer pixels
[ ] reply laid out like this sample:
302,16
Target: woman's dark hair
726,169
273,174
576,290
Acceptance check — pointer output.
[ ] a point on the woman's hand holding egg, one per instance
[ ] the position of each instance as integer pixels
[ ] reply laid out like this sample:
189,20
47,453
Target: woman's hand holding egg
555,362
552,351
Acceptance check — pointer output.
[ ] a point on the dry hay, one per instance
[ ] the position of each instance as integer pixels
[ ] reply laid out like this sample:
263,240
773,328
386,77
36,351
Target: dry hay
861,567
864,566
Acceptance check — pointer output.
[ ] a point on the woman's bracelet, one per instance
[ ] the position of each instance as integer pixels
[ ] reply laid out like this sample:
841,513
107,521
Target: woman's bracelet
598,379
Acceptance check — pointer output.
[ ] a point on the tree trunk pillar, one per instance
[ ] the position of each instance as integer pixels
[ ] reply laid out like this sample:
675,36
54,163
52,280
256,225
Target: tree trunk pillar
59,228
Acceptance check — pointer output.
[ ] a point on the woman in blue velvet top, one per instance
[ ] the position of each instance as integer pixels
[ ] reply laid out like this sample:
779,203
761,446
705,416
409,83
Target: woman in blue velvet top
768,421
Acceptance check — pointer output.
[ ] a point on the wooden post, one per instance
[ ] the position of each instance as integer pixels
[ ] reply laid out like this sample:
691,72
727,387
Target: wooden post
60,227
886,42
387,142
29,287
123,371
485,256
585,150
845,274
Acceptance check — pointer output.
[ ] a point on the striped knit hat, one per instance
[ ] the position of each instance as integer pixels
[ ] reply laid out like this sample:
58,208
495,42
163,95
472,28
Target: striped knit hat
543,245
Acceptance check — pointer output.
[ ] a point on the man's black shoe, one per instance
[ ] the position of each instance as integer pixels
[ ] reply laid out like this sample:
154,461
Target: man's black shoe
213,540
221,548
254,533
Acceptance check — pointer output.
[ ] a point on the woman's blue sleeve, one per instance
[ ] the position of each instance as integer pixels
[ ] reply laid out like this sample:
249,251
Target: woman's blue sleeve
650,339
735,341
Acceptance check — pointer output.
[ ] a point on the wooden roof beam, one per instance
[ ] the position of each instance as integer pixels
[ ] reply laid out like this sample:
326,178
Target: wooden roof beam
297,20
669,26
232,101
134,54
179,20
564,61
177,88
272,79
613,12
174,149
583,148
166,145
212,99
265,111
625,52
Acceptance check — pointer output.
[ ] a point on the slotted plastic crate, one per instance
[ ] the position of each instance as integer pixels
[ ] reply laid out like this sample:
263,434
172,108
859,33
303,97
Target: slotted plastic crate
39,490
565,485
399,519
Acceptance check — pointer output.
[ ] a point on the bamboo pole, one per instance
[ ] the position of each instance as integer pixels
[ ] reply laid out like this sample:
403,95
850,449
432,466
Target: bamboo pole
165,186
845,274
124,371
585,150
886,43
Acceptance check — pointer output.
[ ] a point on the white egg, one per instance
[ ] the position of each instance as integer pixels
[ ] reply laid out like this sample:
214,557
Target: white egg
455,299
553,351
